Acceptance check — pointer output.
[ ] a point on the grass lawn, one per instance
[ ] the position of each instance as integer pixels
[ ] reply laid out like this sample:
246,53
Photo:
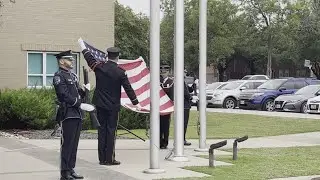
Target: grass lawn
266,163
223,125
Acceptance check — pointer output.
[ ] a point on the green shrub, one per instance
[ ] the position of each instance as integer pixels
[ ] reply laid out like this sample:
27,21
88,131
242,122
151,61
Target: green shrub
26,108
34,109
132,120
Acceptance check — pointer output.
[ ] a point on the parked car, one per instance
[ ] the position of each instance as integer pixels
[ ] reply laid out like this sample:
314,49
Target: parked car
211,89
296,102
255,77
228,95
263,97
313,105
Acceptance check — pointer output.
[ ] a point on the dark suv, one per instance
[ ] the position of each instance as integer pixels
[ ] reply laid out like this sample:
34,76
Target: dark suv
263,97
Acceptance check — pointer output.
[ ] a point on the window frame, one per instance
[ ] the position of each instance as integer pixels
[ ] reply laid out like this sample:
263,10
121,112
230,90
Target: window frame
44,67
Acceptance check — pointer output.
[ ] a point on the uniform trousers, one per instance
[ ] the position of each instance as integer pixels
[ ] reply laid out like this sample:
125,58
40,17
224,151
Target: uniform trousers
164,129
106,134
186,120
70,134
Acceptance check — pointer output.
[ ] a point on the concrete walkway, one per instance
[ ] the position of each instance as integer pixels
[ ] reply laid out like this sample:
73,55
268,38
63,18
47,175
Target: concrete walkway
300,178
39,159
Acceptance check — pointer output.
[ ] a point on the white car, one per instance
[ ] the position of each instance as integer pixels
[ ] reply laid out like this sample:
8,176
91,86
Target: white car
313,105
255,77
211,89
228,95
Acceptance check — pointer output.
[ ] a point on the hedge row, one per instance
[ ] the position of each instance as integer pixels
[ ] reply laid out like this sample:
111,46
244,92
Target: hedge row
32,108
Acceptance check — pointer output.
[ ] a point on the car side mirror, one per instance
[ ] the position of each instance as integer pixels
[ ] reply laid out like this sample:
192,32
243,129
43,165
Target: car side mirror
243,88
282,88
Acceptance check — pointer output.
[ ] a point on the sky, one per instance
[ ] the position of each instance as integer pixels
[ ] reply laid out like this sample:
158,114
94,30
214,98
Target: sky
137,6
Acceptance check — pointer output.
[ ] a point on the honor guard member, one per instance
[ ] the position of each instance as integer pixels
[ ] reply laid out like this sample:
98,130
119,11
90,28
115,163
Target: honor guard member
187,107
109,79
70,115
167,85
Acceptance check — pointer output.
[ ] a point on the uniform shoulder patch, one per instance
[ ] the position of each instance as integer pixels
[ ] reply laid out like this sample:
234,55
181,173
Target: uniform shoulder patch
56,80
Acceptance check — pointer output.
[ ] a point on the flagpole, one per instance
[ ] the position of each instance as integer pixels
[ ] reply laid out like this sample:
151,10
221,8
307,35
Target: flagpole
179,84
202,74
154,89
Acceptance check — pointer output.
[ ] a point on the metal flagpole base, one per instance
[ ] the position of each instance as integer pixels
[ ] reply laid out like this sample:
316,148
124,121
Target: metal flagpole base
154,171
179,159
201,150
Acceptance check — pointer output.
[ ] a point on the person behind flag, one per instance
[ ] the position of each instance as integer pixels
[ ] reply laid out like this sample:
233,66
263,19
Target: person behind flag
70,116
167,85
109,79
187,106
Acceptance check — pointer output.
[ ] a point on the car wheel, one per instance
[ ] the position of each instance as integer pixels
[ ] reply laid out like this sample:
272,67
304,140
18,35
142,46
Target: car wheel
269,105
229,103
304,108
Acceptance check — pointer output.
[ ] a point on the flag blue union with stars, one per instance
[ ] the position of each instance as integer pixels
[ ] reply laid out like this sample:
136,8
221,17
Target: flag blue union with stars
99,55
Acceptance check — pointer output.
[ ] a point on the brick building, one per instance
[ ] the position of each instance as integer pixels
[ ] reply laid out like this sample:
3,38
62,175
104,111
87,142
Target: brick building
32,31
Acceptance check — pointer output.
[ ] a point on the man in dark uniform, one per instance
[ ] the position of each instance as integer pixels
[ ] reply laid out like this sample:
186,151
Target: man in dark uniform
107,95
167,85
69,114
187,107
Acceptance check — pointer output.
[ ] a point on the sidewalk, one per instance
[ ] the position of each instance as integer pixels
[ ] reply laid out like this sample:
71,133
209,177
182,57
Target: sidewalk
39,159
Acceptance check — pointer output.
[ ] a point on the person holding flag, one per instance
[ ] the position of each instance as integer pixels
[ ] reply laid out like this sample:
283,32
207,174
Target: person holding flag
109,79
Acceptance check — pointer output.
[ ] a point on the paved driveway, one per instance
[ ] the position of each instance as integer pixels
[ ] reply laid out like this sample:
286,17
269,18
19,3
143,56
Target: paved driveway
262,113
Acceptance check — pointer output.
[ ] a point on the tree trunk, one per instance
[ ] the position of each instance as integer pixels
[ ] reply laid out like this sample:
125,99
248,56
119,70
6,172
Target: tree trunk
269,65
316,69
252,67
221,73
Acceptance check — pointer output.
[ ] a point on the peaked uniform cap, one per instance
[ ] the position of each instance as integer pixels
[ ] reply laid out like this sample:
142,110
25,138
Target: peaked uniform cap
65,55
113,52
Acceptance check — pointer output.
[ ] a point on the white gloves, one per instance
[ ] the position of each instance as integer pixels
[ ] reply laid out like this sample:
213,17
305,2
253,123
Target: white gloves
138,107
86,107
86,86
81,43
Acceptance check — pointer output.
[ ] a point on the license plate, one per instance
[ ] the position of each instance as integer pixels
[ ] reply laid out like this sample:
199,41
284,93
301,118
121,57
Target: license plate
241,102
313,107
278,106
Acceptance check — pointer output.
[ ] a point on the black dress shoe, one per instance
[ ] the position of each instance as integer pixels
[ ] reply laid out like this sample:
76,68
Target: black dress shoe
187,143
113,163
75,175
102,163
163,147
66,175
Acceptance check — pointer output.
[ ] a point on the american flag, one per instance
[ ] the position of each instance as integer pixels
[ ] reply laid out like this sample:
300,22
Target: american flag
139,77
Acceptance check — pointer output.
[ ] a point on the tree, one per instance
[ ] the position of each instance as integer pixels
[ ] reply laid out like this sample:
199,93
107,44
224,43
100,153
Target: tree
221,27
131,33
277,22
2,5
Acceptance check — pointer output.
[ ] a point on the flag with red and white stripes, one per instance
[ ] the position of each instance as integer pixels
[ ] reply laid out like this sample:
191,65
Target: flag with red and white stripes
139,77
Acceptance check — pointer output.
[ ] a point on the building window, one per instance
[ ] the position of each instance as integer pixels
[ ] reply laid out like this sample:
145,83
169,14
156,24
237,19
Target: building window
42,66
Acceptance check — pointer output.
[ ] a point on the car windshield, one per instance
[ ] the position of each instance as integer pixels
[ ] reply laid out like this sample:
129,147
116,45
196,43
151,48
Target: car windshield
213,86
272,84
246,77
222,85
231,85
308,90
